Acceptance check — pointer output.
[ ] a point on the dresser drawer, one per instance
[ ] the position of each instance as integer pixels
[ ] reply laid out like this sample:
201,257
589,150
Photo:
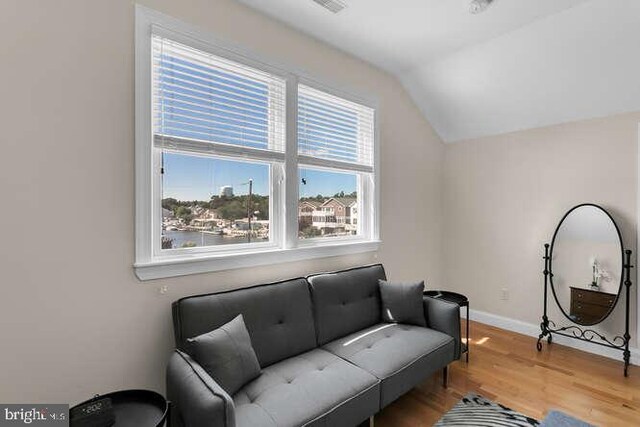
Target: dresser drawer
587,313
591,310
589,297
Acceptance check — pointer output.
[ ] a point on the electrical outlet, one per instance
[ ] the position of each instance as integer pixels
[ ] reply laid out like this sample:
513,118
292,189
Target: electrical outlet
504,296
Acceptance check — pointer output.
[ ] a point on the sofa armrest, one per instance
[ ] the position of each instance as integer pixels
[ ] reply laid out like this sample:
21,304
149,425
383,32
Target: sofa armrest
196,399
443,316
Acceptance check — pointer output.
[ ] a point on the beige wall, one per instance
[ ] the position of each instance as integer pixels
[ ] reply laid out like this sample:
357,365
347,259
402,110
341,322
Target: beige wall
74,320
504,196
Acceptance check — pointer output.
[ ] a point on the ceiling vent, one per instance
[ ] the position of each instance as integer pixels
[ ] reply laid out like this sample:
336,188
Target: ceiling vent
334,6
479,6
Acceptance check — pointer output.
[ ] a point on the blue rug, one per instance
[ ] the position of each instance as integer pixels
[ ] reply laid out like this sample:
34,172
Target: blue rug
560,419
477,411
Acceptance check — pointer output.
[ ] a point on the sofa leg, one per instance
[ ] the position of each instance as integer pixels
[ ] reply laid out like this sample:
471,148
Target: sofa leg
445,377
371,421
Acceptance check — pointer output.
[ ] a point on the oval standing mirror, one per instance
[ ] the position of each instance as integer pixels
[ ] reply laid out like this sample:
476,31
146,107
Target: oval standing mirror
586,262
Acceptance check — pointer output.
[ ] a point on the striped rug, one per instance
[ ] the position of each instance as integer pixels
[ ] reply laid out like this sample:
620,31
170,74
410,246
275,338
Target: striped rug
477,411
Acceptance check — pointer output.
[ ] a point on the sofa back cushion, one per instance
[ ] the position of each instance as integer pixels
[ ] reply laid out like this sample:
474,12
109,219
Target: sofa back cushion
346,301
278,317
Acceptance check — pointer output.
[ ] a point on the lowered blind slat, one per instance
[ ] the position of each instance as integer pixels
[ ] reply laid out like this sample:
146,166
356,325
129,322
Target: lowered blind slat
212,113
198,58
328,110
332,164
340,156
169,89
312,131
312,120
205,79
186,68
217,104
179,132
195,145
334,129
179,127
201,96
185,81
189,120
337,148
346,118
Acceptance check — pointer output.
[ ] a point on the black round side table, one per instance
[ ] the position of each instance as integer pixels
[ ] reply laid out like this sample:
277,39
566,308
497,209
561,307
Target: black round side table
462,301
135,408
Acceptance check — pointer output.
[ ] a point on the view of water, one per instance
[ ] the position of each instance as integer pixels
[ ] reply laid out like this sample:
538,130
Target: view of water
200,239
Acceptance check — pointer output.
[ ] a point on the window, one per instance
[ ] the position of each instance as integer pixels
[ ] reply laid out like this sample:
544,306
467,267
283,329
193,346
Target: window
198,211
239,163
335,136
218,128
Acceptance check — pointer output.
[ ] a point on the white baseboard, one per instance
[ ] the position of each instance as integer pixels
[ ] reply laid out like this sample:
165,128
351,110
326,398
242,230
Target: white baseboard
533,330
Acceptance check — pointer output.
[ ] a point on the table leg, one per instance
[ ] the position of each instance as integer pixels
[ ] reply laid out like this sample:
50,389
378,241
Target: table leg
468,340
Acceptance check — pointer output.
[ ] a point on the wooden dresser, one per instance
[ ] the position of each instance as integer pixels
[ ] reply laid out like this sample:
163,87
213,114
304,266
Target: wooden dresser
589,306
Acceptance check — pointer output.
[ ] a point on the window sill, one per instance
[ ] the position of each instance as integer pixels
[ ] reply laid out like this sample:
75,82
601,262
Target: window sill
173,267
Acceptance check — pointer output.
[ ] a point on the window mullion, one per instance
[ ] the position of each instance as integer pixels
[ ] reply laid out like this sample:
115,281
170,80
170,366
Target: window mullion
156,201
366,205
290,207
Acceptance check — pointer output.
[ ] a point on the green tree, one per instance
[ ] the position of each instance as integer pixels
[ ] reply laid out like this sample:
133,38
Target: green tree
232,210
310,231
184,213
170,203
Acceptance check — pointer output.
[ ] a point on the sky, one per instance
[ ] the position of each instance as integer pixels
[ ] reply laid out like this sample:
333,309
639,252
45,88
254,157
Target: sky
198,178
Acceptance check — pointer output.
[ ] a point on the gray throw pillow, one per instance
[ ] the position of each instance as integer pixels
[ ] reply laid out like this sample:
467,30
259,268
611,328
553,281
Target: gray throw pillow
402,302
227,355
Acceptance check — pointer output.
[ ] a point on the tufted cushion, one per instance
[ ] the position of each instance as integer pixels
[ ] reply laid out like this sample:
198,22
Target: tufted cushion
346,301
278,317
314,388
399,355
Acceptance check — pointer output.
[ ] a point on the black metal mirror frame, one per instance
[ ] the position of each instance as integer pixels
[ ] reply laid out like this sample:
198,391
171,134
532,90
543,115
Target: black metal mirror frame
553,241
548,327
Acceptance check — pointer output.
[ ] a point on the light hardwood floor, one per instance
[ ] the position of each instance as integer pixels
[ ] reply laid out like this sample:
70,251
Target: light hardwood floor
506,368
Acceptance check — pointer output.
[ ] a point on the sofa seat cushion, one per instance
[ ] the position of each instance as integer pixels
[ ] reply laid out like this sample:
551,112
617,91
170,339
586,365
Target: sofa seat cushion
314,388
400,355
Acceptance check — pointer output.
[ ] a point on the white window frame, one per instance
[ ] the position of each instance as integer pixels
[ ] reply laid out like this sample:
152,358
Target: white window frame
284,245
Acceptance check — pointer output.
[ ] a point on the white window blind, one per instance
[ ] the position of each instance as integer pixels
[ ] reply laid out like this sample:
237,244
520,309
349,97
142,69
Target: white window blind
203,102
334,130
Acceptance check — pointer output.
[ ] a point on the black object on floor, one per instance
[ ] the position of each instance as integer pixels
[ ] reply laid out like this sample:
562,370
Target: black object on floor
131,408
462,301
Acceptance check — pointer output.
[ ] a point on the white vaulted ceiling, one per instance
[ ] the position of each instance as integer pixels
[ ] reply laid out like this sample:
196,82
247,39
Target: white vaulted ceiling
521,64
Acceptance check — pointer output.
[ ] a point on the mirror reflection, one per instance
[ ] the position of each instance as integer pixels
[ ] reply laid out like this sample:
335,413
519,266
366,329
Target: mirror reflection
586,265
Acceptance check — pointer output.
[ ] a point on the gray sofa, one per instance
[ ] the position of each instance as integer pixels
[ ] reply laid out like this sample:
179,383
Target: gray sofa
326,357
